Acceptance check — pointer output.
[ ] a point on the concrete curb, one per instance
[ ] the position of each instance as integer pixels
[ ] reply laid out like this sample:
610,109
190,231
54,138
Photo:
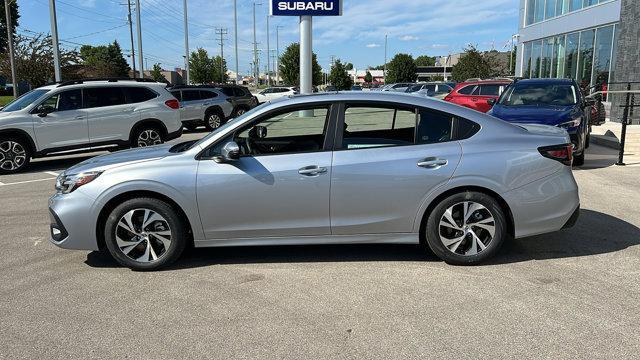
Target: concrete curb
607,141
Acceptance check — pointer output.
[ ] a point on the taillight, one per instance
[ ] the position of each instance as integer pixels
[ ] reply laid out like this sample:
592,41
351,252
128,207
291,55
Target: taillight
173,103
562,153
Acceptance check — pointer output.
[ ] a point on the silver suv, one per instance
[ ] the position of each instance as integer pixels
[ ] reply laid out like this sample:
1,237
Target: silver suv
202,105
85,115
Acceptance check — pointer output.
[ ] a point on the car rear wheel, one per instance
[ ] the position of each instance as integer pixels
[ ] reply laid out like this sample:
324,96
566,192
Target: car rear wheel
466,228
145,234
147,136
240,111
14,155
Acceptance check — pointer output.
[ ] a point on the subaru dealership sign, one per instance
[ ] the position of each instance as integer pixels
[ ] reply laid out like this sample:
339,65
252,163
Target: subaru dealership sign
305,8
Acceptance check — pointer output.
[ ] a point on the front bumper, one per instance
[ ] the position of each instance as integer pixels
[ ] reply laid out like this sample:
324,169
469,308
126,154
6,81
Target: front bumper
72,221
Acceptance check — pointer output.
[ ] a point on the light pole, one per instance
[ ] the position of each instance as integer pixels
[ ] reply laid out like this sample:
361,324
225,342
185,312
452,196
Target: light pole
384,72
256,66
278,27
186,40
139,31
133,52
14,76
306,75
54,39
235,34
268,54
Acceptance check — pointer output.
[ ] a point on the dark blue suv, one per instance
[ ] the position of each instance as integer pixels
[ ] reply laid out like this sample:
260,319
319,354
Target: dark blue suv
556,102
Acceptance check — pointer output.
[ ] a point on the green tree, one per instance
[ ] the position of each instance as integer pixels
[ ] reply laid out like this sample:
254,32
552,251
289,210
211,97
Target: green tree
339,76
290,66
3,23
218,64
472,64
368,78
401,68
156,73
34,61
201,69
424,60
348,66
437,78
106,60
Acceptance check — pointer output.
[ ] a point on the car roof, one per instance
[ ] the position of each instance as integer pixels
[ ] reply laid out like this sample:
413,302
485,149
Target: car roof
545,81
100,83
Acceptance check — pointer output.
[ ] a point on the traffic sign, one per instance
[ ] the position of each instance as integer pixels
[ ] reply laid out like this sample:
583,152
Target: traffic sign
305,8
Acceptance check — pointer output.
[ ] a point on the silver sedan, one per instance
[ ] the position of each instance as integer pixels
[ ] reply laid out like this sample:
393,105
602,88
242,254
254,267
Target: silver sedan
332,168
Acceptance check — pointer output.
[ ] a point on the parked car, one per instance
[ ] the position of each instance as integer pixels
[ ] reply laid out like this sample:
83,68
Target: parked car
341,168
433,89
399,87
85,115
273,93
555,102
356,88
240,97
202,105
330,88
475,94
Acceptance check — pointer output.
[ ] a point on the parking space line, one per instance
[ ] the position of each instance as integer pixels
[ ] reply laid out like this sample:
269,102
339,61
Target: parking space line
25,182
51,173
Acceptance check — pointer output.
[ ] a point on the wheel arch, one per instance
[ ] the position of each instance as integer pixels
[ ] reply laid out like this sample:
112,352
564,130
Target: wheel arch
150,121
120,198
214,108
461,189
18,133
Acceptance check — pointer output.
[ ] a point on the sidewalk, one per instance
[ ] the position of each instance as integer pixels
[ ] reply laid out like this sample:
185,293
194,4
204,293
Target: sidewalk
609,135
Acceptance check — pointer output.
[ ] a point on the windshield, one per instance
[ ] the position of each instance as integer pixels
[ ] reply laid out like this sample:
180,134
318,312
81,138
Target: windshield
219,130
24,100
539,94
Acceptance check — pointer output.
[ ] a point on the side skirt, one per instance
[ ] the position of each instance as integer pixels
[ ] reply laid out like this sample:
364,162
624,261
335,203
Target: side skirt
400,238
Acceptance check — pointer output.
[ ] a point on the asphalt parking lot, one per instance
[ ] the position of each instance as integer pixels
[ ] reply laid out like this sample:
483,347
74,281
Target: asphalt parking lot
572,294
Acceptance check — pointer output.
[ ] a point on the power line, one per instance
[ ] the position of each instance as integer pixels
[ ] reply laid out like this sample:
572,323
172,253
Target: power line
87,10
76,15
98,32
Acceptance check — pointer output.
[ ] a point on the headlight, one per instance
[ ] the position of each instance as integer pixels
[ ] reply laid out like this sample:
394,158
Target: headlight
569,124
68,183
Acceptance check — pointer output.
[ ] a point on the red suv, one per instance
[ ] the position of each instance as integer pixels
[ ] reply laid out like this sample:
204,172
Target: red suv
476,94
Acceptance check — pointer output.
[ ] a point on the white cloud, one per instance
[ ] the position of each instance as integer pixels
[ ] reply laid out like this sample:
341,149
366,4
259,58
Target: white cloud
373,45
408,38
439,46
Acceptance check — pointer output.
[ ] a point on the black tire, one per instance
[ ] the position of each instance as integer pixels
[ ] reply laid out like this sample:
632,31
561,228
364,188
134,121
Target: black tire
190,127
147,135
587,142
15,155
432,229
578,160
239,111
213,119
178,236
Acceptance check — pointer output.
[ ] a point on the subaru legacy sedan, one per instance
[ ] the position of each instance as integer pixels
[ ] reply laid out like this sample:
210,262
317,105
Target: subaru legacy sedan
338,168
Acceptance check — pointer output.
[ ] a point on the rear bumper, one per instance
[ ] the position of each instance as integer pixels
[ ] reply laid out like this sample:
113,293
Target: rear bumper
546,205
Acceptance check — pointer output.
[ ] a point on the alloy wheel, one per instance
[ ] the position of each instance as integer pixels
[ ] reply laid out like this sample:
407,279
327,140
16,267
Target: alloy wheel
12,155
240,112
149,137
143,235
466,228
214,121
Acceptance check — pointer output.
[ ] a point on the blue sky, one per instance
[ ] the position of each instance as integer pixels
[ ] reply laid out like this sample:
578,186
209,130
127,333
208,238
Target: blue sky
432,27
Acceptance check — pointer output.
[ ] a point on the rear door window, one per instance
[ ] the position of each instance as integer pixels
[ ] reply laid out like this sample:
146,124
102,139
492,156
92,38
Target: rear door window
239,92
490,90
377,126
434,126
204,94
227,91
104,96
467,90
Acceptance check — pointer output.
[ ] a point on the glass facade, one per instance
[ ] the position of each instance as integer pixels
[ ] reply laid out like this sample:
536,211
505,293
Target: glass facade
539,10
586,56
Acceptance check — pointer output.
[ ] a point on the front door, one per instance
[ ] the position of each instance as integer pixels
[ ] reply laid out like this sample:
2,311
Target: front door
191,105
60,121
385,167
280,184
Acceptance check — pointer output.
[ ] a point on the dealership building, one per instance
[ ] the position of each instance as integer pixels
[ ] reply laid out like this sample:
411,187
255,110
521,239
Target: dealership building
595,42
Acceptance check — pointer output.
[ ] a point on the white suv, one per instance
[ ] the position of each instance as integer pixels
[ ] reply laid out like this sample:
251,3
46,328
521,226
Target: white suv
86,115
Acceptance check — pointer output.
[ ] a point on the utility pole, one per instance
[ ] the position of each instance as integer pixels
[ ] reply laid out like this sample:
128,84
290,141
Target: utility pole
54,39
14,76
268,53
186,40
139,30
222,32
256,67
133,52
278,27
384,72
235,34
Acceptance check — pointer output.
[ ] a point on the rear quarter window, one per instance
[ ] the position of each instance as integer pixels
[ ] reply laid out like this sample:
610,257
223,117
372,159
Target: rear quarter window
139,94
465,129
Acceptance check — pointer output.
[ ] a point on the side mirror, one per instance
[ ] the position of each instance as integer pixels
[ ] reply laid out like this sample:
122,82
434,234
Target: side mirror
230,152
261,131
44,110
491,102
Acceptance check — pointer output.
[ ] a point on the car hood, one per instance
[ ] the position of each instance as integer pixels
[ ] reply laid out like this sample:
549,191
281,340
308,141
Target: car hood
532,114
120,158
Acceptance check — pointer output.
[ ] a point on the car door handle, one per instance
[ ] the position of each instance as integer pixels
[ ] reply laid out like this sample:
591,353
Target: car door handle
127,110
80,117
432,163
206,104
312,170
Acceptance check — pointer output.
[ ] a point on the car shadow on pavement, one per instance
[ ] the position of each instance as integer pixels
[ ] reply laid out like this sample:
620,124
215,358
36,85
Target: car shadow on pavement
594,233
54,164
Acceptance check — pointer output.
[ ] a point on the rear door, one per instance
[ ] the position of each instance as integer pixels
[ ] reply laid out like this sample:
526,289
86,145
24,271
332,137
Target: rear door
65,124
384,165
484,93
110,117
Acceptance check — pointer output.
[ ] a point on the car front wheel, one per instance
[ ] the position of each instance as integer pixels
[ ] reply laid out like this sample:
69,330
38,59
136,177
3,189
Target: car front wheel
213,120
14,155
145,234
466,228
